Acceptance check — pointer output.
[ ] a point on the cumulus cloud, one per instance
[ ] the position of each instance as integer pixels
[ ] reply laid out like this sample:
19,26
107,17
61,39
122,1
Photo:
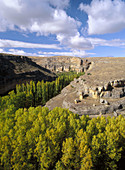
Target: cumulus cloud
18,44
105,16
60,23
44,17
80,43
75,42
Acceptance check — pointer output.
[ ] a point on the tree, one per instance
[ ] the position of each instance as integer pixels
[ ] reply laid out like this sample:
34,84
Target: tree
43,93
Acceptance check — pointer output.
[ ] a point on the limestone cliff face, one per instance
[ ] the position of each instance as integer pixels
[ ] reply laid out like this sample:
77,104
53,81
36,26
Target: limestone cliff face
19,69
62,63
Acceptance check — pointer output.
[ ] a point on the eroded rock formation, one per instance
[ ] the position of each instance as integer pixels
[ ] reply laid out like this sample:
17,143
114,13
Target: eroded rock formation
100,91
62,63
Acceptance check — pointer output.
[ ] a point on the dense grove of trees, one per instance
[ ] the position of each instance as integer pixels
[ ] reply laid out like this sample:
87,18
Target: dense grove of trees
41,92
34,138
34,94
37,138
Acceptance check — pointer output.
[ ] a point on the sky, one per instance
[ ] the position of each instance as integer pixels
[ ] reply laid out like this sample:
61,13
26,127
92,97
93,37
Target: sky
82,28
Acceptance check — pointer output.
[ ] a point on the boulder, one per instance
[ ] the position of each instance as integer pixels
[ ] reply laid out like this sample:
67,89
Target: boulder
115,114
103,101
116,83
93,93
81,96
117,93
77,101
105,94
100,88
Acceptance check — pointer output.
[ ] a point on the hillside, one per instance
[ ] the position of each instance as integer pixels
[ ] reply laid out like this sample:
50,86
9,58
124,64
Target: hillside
19,69
100,91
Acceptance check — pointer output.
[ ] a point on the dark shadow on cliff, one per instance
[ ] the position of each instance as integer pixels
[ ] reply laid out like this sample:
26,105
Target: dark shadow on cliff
6,68
19,69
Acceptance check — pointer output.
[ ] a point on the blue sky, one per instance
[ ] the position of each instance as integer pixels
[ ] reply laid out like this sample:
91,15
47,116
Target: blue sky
63,27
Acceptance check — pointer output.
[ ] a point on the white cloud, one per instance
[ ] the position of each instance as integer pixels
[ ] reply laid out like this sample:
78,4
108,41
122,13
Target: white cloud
75,42
109,43
105,16
1,50
42,17
77,53
19,44
80,43
17,52
60,23
20,52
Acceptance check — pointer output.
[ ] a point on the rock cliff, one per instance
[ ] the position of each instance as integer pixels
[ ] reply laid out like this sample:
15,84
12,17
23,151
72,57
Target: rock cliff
62,63
19,69
100,91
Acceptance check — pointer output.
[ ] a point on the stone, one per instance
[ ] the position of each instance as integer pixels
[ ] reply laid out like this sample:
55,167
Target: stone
81,97
93,93
115,114
86,88
117,93
100,89
77,101
112,83
105,94
100,114
116,83
103,101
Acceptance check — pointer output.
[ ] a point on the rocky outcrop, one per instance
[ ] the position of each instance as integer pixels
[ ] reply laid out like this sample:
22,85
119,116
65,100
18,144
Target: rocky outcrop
107,90
100,91
62,63
19,69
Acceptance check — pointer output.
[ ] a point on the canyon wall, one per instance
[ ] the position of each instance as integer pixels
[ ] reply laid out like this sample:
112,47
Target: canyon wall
62,63
19,69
